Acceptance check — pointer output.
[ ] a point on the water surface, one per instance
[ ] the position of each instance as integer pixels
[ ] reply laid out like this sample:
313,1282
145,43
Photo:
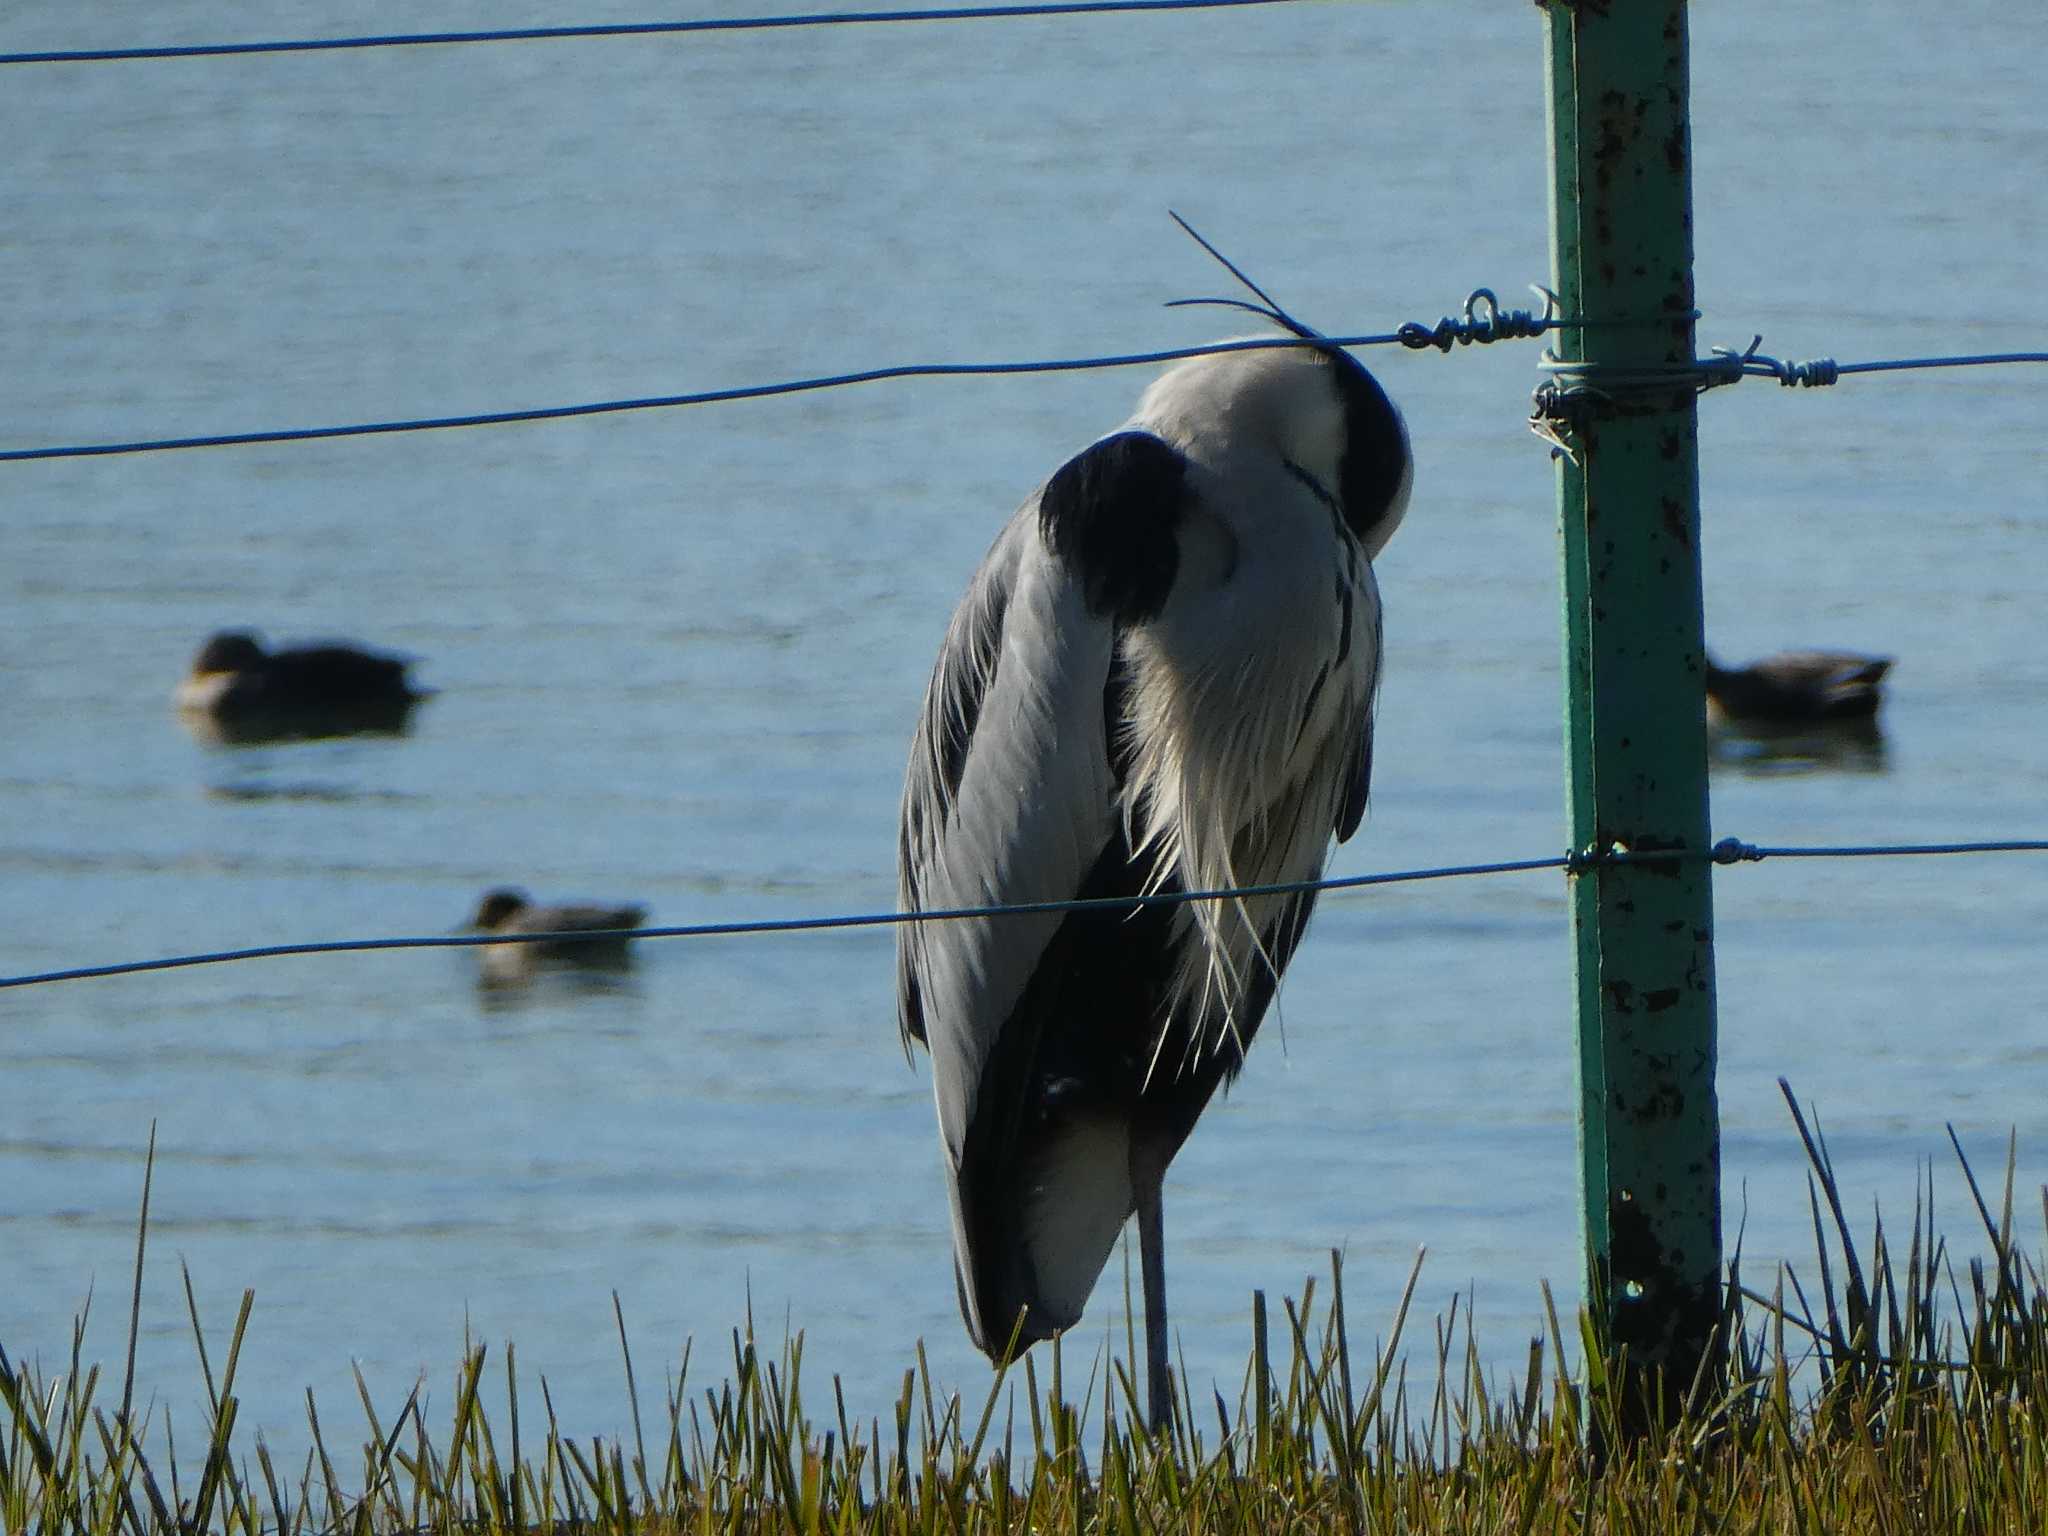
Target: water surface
679,653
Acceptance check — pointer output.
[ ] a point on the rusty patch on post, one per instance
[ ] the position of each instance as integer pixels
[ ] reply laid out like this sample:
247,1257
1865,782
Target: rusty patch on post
1674,149
1665,1103
1662,1319
1675,521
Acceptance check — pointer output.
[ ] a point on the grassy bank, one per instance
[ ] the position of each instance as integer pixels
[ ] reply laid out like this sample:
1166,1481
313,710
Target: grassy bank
1885,1392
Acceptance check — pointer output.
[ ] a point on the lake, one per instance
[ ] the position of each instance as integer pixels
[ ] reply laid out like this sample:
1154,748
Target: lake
679,653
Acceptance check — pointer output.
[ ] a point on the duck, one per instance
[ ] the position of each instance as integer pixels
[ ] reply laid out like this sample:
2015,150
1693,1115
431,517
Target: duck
239,692
1797,688
508,910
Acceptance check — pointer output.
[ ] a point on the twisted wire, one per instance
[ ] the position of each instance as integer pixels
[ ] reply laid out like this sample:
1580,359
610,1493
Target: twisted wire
1506,323
1561,398
1485,321
1732,850
1575,385
1821,371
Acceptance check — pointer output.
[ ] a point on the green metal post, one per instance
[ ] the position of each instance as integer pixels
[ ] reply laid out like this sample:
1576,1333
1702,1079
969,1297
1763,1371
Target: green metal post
1628,501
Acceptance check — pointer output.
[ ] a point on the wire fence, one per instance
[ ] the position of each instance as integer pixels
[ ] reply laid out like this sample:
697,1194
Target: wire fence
1482,320
1475,326
593,30
1555,398
1727,851
1572,386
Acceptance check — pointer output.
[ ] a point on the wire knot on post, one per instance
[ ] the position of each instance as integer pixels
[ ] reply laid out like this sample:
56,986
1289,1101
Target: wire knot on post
1730,850
1728,366
1578,390
1483,321
1581,861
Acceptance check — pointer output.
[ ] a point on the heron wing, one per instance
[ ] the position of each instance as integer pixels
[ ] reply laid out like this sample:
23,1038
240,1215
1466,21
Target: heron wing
1008,800
1011,798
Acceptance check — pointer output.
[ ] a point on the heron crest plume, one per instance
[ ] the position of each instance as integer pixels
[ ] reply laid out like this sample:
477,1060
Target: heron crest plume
1267,308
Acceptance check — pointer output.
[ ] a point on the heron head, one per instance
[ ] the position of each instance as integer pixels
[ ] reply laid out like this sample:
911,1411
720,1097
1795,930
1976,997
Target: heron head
1337,425
1340,430
1315,409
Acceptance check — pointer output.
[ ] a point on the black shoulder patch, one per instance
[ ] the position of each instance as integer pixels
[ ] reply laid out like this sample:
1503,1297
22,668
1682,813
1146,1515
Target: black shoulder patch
1375,448
1110,514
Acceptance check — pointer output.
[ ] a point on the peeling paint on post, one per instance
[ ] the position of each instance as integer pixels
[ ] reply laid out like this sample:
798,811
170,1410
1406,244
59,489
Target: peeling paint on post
1628,497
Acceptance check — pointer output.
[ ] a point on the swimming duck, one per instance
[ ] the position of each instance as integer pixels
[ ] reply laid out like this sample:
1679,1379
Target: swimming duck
507,910
1796,688
239,692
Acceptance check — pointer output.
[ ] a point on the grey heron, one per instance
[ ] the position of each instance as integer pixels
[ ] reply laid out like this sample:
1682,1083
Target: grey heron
1161,679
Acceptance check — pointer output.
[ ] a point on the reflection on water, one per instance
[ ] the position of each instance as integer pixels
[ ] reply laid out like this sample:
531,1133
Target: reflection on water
1831,746
556,982
307,790
575,961
270,726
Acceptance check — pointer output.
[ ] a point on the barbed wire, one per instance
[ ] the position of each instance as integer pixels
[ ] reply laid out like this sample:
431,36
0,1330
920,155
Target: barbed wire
625,29
1576,387
1728,851
1562,398
1483,320
1728,366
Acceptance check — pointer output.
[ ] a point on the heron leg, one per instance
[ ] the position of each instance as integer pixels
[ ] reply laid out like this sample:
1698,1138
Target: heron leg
1152,1258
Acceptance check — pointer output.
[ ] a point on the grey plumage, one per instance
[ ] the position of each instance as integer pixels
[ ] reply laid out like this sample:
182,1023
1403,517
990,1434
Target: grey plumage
1161,679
